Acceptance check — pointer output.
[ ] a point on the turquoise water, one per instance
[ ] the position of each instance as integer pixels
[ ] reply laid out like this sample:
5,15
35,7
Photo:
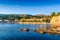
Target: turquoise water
12,32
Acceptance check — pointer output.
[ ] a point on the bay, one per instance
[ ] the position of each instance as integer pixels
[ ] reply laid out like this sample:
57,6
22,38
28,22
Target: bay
13,32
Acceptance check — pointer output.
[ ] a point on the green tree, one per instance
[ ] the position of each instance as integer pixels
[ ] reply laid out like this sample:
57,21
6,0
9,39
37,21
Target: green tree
53,14
58,13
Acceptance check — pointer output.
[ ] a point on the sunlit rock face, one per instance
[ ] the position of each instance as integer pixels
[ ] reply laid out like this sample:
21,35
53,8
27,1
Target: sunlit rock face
55,21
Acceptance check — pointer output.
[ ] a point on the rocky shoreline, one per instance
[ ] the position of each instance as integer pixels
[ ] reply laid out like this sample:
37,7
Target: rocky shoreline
33,23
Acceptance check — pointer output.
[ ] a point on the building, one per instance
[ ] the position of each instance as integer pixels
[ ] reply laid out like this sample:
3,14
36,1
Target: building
16,20
1,20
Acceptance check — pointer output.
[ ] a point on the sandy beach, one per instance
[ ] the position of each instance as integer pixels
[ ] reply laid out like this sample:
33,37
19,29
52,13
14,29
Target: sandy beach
33,23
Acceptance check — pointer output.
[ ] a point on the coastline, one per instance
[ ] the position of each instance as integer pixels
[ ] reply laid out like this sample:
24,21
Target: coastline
33,23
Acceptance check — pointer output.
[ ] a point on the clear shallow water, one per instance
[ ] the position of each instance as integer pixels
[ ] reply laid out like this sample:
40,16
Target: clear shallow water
12,32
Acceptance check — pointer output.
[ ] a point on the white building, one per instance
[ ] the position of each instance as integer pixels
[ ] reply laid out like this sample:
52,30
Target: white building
1,20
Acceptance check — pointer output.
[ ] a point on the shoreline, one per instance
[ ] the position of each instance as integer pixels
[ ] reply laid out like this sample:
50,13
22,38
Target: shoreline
47,31
33,23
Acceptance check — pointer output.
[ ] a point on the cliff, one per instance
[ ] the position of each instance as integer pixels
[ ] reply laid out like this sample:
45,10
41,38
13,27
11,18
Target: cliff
55,21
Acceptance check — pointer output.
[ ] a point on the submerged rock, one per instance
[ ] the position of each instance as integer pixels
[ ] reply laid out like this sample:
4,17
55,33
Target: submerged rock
24,29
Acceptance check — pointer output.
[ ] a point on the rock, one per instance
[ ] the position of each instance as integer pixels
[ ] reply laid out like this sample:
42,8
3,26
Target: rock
55,21
24,29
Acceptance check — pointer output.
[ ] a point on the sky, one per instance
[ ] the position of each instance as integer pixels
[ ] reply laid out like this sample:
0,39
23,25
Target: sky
29,6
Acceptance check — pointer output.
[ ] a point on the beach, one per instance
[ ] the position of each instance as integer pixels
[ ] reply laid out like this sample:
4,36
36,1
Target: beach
33,23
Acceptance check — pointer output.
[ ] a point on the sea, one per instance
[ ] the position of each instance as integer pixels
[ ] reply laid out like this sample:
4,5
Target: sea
13,32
